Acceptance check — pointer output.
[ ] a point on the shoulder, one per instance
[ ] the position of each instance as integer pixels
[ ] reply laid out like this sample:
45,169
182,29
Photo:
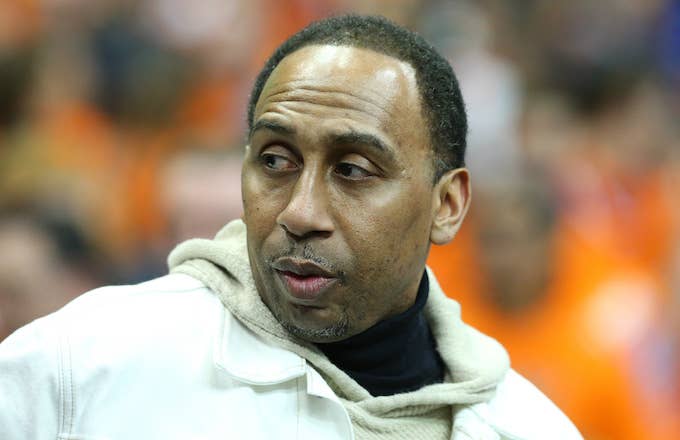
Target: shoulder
118,345
123,320
167,286
133,307
519,411
159,297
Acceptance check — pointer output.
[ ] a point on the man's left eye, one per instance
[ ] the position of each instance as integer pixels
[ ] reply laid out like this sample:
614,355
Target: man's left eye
351,171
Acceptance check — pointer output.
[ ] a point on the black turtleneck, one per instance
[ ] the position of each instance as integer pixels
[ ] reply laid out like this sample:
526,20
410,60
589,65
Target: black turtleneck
394,356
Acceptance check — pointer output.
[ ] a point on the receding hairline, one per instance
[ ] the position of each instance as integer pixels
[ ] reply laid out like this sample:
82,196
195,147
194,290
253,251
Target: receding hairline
410,73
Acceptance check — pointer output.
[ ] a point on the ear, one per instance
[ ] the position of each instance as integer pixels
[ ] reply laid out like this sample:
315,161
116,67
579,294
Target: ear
451,199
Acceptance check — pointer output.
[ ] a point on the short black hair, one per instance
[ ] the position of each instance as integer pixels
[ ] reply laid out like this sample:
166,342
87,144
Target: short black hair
442,103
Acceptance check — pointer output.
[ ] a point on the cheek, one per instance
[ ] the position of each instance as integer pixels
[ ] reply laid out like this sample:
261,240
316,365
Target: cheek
390,228
260,205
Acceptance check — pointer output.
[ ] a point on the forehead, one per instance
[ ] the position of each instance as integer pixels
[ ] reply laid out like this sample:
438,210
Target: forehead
345,83
361,69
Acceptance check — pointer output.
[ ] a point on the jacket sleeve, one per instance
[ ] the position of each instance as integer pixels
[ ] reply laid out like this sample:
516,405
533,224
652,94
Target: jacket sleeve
31,381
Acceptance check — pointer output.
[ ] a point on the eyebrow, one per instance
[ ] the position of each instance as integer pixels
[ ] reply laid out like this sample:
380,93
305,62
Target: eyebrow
348,138
355,137
263,124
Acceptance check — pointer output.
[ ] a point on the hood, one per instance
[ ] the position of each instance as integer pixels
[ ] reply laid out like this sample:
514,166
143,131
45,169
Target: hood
475,363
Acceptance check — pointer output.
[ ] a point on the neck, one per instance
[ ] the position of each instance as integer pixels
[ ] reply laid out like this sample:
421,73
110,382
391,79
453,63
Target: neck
396,355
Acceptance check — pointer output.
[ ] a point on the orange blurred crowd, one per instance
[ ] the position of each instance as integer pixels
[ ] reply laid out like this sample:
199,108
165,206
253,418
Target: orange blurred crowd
122,124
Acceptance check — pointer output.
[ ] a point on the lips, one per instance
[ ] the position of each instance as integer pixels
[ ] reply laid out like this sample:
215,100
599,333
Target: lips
304,279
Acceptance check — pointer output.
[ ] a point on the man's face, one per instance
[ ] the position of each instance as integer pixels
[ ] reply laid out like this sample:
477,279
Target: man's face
337,191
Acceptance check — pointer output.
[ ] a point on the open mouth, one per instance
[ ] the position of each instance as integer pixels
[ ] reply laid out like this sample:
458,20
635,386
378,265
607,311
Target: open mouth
304,279
305,287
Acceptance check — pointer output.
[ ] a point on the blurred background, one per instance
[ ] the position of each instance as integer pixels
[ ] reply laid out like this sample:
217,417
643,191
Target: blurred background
122,127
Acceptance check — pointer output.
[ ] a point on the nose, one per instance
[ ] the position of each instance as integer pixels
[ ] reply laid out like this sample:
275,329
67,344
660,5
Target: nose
306,213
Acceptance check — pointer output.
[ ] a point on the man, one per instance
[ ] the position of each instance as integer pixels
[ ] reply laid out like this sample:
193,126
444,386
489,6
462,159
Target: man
314,317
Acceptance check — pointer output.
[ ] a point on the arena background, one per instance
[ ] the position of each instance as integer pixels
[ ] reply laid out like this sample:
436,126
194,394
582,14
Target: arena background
122,128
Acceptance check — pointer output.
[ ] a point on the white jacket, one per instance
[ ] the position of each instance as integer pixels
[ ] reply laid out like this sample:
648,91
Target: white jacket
166,360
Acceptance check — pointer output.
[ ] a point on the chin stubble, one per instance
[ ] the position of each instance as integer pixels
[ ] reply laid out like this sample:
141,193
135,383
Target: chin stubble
337,330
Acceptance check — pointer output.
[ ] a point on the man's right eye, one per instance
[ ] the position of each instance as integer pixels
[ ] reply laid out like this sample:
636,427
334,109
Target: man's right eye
276,162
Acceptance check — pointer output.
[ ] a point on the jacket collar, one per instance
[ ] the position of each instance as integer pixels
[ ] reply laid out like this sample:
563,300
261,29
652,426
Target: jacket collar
247,358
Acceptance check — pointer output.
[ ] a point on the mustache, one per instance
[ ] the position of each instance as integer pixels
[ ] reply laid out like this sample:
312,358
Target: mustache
306,252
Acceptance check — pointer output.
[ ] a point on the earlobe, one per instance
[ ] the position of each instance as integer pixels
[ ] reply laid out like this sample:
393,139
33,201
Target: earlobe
450,205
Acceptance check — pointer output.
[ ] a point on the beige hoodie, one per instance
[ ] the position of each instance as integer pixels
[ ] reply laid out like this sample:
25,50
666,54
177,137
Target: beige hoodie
475,362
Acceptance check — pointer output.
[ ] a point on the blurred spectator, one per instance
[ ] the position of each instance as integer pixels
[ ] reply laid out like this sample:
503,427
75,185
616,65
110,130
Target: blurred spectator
568,313
45,264
611,164
201,192
493,95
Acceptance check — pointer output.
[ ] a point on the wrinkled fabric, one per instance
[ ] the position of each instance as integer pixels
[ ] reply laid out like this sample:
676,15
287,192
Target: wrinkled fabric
475,363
